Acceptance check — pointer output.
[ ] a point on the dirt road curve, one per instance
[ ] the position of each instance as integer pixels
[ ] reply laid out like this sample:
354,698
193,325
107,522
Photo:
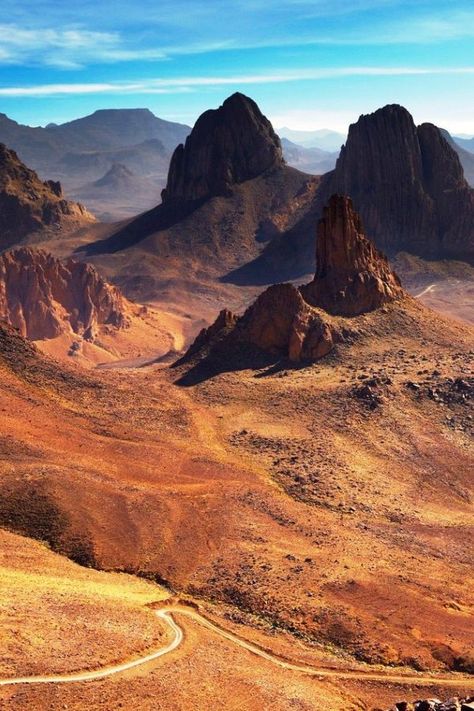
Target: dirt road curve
426,291
166,615
105,671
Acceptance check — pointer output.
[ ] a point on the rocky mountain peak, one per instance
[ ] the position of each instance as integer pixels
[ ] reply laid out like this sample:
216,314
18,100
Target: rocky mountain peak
352,276
408,185
227,145
43,297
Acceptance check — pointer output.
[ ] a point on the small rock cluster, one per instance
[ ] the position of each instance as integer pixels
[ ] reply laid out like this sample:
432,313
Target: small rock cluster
457,394
454,704
371,391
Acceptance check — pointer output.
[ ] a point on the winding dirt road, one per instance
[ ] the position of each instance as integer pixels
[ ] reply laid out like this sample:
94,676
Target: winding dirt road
166,615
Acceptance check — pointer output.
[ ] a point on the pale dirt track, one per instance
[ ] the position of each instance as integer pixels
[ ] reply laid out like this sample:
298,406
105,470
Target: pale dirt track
321,673
426,291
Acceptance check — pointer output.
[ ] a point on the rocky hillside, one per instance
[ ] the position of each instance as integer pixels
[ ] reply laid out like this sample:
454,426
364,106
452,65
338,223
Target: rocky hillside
352,277
29,205
43,297
407,183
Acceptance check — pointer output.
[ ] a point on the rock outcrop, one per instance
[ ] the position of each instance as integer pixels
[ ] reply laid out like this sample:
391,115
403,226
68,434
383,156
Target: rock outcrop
43,297
29,205
453,704
281,322
407,183
352,276
304,324
228,145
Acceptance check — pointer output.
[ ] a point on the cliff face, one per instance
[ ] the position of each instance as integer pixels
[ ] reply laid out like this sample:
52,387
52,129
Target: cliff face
352,276
227,145
43,297
281,322
408,185
28,205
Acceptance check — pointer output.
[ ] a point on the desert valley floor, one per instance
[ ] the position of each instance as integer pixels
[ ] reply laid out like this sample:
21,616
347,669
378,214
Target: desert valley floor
293,511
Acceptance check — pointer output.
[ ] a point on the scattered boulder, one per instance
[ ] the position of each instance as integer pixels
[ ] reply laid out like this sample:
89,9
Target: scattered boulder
453,704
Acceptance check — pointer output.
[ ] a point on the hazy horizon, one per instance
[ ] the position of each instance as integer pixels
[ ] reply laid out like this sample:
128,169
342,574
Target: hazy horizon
306,130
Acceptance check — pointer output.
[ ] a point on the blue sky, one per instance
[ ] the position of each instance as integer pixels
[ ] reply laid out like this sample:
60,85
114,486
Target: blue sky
308,63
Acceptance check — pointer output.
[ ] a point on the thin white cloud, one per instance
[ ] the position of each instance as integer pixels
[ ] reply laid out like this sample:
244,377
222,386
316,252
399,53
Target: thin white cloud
71,47
183,84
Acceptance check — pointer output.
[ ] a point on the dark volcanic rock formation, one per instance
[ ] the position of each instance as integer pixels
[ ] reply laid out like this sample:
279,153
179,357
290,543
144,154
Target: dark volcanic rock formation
29,205
43,297
227,145
228,192
408,185
352,276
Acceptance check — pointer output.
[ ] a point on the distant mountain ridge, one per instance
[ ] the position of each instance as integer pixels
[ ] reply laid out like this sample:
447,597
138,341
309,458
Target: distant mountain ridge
466,143
323,138
83,150
310,160
105,129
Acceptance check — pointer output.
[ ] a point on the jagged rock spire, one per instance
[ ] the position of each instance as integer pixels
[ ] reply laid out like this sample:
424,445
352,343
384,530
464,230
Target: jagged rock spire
352,276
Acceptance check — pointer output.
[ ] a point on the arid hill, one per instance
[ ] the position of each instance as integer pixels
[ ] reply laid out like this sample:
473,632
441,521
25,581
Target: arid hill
322,512
30,207
120,193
